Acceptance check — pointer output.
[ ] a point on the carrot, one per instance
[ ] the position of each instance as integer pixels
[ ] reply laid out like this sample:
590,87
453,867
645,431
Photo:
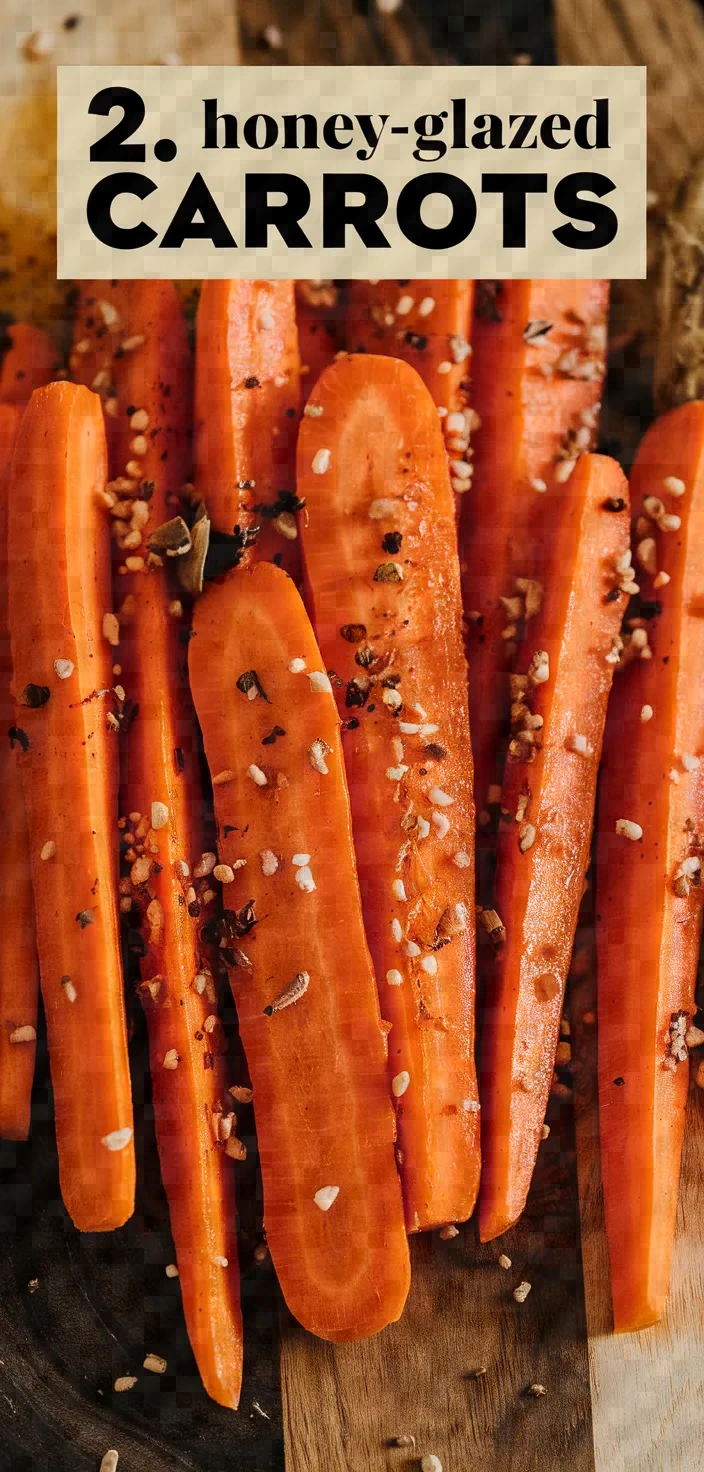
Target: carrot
538,366
163,834
246,412
61,625
648,895
299,966
547,807
427,324
19,981
29,362
317,310
383,580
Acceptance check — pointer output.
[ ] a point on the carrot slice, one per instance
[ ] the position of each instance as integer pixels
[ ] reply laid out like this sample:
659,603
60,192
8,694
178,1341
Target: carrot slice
246,412
567,664
427,324
29,363
299,966
61,624
161,793
649,900
538,366
19,978
317,308
383,577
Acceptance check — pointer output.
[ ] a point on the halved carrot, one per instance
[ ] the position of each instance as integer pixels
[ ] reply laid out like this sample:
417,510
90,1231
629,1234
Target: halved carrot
317,309
648,886
299,966
61,624
538,367
29,362
547,809
19,976
383,579
150,386
427,324
246,412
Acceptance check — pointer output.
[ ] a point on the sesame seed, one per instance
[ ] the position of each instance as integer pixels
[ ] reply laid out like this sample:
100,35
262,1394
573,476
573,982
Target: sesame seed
305,880
69,989
138,445
442,824
297,666
321,462
447,1232
124,1382
430,965
669,522
403,306
396,930
398,889
155,1363
111,629
412,949
394,978
266,320
223,873
319,681
210,1023
400,1083
461,859
440,798
674,485
526,837
521,1292
300,860
141,870
408,728
171,1059
395,774
627,829
313,411
24,1034
422,827
257,775
397,748
269,862
382,508
111,407
325,1197
117,1139
285,525
538,485
504,1262
131,344
205,865
316,756
563,470
445,366
63,668
160,815
646,555
427,306
49,850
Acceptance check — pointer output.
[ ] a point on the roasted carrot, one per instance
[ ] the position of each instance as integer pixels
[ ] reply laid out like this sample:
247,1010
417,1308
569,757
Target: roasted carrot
427,323
299,966
61,626
547,809
649,855
19,977
317,312
538,367
246,412
29,362
162,815
383,581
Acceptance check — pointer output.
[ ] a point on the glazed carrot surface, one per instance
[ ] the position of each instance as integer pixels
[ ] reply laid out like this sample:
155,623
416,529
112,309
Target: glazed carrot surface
427,324
19,975
60,614
162,805
298,960
537,374
246,411
547,808
29,362
383,581
651,822
318,315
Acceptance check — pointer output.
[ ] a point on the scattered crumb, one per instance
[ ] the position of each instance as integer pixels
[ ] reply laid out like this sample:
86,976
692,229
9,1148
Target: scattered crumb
505,1262
521,1292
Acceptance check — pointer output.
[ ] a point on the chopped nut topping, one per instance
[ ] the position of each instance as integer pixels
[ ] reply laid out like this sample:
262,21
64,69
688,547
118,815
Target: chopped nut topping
462,859
49,850
109,1461
690,762
627,829
155,1363
269,862
325,1197
412,949
394,978
24,1034
537,1390
317,754
389,572
257,775
426,306
448,1232
430,965
441,823
545,1131
493,926
430,1464
290,994
440,798
111,629
321,462
646,713
171,1059
526,837
305,880
504,1262
539,667
223,873
319,681
125,1382
160,815
521,1292
63,668
400,1083
398,889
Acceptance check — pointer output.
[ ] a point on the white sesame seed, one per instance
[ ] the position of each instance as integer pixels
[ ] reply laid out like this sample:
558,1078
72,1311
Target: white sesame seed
382,508
155,1363
394,978
538,485
304,879
627,829
395,774
220,1262
669,522
49,850
111,629
24,1034
398,889
130,344
403,306
442,824
300,860
430,965
138,445
526,837
69,989
690,762
321,462
117,1139
521,1292
160,815
223,873
257,775
674,485
408,728
646,713
462,859
285,525
319,681
396,930
269,862
563,470
661,580
427,306
440,798
325,1197
422,827
63,668
462,469
400,1083
445,366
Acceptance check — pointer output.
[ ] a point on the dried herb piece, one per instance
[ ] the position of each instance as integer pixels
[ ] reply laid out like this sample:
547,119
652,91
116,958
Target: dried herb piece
614,503
250,681
486,300
85,917
365,656
355,695
172,537
285,501
534,330
436,751
416,340
353,633
613,595
290,994
271,738
252,382
392,542
179,759
35,696
16,734
388,572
